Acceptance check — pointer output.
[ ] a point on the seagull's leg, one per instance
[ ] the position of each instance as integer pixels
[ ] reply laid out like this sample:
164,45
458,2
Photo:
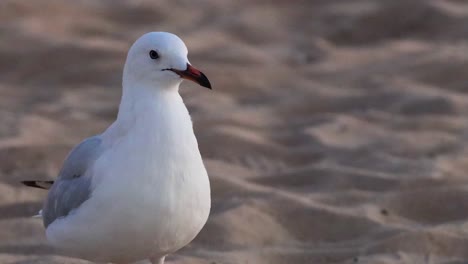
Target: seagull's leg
157,260
146,261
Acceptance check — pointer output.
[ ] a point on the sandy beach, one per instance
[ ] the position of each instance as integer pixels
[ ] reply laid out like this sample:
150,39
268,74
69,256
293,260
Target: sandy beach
336,132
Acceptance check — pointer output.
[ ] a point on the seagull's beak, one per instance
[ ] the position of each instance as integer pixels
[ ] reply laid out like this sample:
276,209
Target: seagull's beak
194,75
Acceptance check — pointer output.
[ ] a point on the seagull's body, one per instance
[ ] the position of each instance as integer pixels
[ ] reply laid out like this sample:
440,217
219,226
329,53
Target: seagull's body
139,190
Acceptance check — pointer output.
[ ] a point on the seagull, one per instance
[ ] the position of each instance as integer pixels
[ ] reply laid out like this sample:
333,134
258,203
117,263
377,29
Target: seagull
139,191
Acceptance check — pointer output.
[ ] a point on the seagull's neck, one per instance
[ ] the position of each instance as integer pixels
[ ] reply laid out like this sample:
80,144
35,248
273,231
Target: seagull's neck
151,109
139,98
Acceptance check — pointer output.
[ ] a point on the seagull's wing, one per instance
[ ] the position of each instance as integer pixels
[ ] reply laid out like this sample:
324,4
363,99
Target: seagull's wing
72,186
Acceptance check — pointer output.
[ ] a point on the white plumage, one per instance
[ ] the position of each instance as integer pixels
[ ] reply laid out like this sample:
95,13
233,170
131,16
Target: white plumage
148,193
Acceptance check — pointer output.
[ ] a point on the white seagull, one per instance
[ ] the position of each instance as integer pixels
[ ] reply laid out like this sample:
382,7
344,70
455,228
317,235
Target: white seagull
139,191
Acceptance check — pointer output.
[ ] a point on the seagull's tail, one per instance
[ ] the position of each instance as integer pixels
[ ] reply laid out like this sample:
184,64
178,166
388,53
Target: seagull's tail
39,215
39,184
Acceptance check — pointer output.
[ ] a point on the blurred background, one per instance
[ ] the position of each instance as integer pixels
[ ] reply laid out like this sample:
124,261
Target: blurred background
336,131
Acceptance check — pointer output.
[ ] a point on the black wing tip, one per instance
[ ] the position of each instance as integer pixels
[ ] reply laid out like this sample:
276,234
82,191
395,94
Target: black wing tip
38,184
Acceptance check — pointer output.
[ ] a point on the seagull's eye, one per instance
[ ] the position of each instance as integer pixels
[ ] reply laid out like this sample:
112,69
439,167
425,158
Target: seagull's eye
153,54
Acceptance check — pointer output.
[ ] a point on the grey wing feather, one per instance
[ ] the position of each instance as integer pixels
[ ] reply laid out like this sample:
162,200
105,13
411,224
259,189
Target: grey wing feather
72,186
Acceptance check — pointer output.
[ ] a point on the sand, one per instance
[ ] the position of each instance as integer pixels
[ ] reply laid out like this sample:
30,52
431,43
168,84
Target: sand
336,131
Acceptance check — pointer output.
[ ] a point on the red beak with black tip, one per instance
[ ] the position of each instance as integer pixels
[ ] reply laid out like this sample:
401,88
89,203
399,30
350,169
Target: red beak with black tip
194,75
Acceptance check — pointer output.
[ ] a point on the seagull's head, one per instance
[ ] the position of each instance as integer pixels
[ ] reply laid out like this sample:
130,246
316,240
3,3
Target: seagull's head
160,58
